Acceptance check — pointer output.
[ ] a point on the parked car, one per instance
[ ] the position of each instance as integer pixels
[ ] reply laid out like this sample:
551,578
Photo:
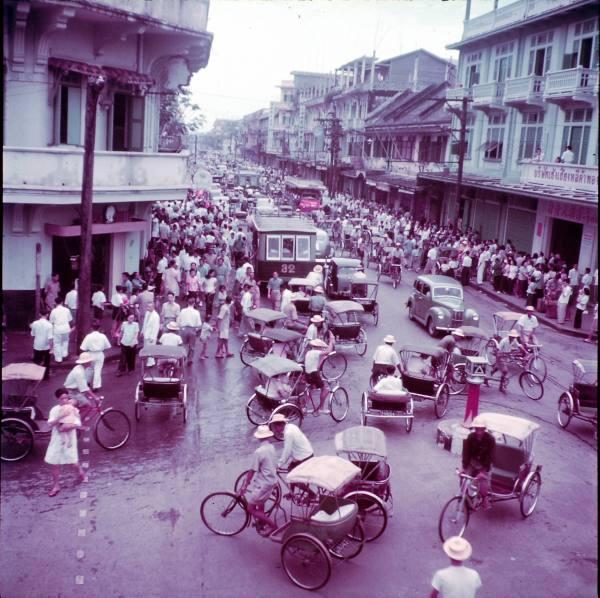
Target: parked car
437,303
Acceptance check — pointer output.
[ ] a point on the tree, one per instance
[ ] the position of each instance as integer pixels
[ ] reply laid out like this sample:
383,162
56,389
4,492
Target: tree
179,115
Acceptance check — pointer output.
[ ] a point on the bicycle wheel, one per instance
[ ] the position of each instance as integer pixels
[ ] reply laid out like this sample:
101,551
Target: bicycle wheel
247,355
538,366
531,385
338,403
442,398
112,429
376,314
224,513
333,367
530,493
565,409
292,412
454,518
271,503
372,513
457,380
490,351
257,410
351,545
361,343
306,561
17,439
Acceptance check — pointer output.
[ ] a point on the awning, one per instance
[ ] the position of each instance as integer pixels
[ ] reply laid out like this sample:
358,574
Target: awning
58,230
382,186
74,66
117,75
127,77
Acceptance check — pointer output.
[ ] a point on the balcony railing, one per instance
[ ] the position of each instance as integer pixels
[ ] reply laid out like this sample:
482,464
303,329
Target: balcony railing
567,176
571,84
524,90
488,95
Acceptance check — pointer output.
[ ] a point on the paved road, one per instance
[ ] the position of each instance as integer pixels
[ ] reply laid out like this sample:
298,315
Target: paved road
134,529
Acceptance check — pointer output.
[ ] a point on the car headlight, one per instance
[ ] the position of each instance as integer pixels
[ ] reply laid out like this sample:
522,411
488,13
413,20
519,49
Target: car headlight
440,316
475,317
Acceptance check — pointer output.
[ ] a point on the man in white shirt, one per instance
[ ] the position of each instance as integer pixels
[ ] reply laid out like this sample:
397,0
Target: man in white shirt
465,275
98,301
385,358
60,318
189,323
171,338
456,581
247,303
568,157
526,326
95,343
77,381
389,384
317,351
150,328
286,296
71,301
41,330
296,446
484,258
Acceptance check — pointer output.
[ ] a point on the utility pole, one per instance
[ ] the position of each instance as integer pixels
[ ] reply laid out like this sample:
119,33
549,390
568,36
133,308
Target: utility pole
84,291
333,130
461,147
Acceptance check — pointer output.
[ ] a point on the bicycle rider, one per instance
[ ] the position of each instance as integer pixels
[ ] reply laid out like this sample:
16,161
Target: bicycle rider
296,446
385,358
190,323
77,383
396,257
313,359
526,325
508,348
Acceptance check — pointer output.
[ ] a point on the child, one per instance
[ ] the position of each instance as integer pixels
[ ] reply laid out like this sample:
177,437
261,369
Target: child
221,295
68,416
205,331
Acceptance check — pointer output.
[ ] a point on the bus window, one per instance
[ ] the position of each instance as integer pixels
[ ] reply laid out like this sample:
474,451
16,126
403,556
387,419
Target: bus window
287,251
303,249
273,247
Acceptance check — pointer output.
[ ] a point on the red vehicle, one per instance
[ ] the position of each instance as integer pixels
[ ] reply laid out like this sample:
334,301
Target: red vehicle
304,194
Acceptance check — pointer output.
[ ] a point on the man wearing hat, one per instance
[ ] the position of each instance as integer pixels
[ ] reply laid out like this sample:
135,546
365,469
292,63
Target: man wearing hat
317,329
77,380
296,446
317,302
456,580
509,347
261,479
317,351
385,358
171,337
526,326
316,276
477,455
95,343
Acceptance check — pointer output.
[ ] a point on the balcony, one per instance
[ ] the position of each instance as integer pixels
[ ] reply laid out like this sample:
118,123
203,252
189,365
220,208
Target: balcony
53,175
488,97
573,177
524,92
572,86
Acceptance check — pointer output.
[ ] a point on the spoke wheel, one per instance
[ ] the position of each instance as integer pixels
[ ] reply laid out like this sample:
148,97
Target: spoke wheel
376,314
224,513
372,513
339,404
351,545
257,411
306,561
531,385
247,355
411,313
293,414
457,381
409,424
454,518
565,410
271,502
334,367
112,429
441,401
530,494
431,329
361,342
17,439
538,366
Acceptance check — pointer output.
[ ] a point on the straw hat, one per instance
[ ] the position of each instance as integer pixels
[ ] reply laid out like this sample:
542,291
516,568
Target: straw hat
278,418
389,339
318,268
318,289
84,358
317,319
457,548
530,308
513,334
263,431
317,342
172,326
478,422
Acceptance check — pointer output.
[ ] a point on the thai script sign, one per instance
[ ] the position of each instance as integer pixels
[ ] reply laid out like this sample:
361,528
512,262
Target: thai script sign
567,176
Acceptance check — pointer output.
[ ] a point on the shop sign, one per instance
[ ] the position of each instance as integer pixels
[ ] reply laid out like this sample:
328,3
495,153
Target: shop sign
567,176
569,211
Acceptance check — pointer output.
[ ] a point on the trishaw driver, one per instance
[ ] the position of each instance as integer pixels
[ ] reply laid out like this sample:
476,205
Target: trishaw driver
313,359
526,326
385,358
510,346
77,383
296,446
477,455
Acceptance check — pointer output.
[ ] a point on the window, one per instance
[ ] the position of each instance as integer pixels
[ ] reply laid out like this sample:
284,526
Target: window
531,134
287,247
273,247
473,65
540,54
302,249
585,48
127,123
503,62
495,137
577,135
67,112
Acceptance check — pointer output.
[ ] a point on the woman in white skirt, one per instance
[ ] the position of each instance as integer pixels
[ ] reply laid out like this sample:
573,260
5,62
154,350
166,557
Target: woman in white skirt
62,449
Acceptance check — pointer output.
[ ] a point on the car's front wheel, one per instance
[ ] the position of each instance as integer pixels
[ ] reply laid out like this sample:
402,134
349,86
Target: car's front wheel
431,329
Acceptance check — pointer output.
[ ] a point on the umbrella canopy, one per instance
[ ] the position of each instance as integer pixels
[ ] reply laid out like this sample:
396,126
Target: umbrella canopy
327,472
364,439
273,365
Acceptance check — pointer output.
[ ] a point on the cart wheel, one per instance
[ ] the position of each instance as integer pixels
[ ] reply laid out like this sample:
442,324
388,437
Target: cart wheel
17,439
376,314
565,409
364,409
112,429
530,493
454,518
361,343
338,404
306,561
457,381
224,513
431,329
442,398
531,385
409,424
138,411
372,512
334,367
351,545
247,355
257,411
274,499
292,412
538,366
490,351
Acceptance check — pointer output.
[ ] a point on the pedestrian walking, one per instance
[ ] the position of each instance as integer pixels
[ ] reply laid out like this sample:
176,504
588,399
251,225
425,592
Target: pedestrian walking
62,449
465,273
581,306
95,343
456,581
593,327
98,301
41,330
60,318
170,310
51,291
224,323
128,341
71,301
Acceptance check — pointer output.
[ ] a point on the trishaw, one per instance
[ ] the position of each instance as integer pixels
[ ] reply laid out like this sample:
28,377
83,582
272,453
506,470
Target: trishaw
387,267
268,337
366,448
22,421
342,318
504,322
425,374
471,344
365,293
581,400
299,286
162,382
318,523
513,475
376,242
387,405
283,390
340,277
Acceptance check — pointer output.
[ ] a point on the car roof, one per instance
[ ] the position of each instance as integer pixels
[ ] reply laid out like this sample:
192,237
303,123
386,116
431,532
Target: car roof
276,224
438,279
346,262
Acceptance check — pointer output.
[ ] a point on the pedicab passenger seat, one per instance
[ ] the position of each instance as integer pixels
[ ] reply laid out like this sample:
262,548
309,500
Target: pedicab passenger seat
346,331
259,343
588,394
161,388
266,398
389,400
507,465
419,385
378,471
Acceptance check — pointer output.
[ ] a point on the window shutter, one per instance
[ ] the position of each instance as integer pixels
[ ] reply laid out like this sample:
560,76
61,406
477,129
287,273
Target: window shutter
136,124
74,116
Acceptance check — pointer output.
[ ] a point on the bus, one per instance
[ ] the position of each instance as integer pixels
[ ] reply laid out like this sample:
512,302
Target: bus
304,194
284,245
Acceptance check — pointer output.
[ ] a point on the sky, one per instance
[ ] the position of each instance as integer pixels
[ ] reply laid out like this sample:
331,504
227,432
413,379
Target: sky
257,43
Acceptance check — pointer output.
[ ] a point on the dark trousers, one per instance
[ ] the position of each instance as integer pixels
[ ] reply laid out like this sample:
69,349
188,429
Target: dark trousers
98,313
577,322
497,282
42,358
465,276
127,358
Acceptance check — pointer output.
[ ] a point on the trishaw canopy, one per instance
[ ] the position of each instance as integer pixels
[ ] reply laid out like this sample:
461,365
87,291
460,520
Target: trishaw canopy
344,306
428,351
273,365
507,316
300,282
23,371
364,439
509,425
326,472
581,368
281,335
266,315
163,351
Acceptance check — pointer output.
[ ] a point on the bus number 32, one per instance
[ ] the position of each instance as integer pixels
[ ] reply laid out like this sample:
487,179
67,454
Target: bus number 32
288,268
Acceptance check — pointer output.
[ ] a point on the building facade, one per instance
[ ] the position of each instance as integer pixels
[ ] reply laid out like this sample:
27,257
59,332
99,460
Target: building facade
143,50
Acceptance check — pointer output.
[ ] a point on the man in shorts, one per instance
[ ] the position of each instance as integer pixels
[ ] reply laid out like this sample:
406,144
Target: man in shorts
385,358
317,351
261,480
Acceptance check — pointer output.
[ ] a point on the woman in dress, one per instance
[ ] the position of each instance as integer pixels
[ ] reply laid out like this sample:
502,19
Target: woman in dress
62,449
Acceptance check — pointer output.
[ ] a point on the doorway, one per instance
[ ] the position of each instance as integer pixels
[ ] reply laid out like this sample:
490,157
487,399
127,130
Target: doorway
566,240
